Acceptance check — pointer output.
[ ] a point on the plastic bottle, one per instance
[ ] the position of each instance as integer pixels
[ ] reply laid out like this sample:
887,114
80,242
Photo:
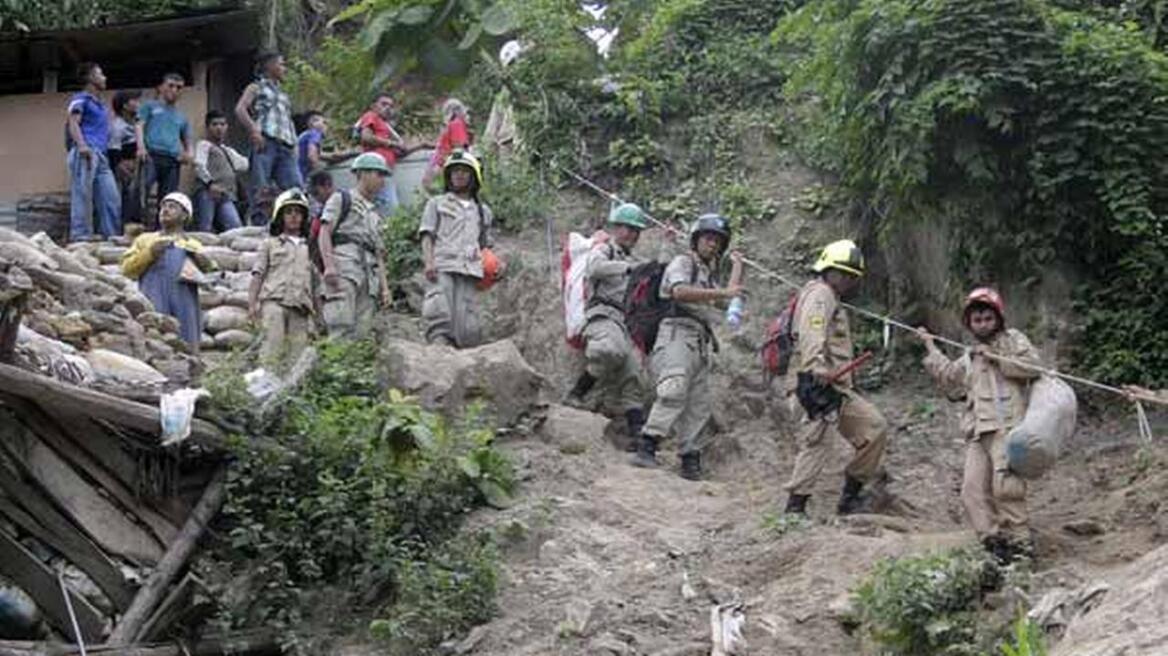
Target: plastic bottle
735,311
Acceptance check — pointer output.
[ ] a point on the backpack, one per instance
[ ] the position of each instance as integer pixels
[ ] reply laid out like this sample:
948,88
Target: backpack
779,341
644,307
314,253
574,284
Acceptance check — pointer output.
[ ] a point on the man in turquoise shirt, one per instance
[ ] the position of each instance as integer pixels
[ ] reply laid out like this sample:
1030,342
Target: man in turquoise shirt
164,136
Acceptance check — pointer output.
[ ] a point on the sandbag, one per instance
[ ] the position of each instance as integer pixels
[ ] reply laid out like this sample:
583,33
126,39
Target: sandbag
1033,446
111,365
223,318
233,339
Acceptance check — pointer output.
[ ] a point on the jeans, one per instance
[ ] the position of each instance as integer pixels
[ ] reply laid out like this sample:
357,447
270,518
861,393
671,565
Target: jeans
93,193
221,214
386,201
274,163
164,170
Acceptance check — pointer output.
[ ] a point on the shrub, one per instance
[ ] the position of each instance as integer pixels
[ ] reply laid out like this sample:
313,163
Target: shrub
922,606
358,490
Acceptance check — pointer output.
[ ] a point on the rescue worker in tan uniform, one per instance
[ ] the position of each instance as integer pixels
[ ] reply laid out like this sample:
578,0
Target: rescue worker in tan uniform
995,395
825,406
609,354
681,356
353,253
282,293
455,229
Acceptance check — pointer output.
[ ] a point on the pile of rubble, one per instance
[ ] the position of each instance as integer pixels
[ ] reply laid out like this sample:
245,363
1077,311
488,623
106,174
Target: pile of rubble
84,322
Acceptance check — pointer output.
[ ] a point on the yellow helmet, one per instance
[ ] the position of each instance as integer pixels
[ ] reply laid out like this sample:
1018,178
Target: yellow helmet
289,198
463,158
842,255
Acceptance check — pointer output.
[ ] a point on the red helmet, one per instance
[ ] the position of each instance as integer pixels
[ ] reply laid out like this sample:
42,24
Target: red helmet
984,296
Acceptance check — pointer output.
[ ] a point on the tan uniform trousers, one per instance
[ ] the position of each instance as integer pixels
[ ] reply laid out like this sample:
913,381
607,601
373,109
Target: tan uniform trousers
994,498
450,311
609,358
285,332
350,312
681,359
858,422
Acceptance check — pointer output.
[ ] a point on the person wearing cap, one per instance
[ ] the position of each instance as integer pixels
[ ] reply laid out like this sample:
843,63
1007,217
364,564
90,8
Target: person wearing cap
825,402
353,253
994,394
609,354
681,356
455,232
281,297
168,266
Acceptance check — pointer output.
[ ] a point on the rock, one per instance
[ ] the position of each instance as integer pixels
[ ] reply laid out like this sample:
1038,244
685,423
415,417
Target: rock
224,318
471,641
137,303
211,298
20,619
206,342
1130,619
446,379
71,328
607,645
568,426
163,323
1084,528
579,617
247,262
25,255
10,235
65,260
232,339
122,368
177,370
104,322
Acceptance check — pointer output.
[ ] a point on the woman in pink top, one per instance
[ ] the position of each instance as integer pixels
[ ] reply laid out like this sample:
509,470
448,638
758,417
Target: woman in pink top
455,136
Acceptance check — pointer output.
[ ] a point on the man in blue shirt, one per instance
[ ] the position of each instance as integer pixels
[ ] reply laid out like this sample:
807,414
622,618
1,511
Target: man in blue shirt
92,187
164,136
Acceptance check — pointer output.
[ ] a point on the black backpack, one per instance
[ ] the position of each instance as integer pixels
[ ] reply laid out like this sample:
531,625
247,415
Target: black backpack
644,307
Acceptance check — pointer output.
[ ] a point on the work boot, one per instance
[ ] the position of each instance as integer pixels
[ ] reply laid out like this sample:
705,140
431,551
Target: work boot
646,452
691,466
1019,549
575,397
635,419
797,504
849,502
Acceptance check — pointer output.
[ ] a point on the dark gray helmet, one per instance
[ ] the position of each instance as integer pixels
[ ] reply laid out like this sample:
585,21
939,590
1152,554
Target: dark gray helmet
715,223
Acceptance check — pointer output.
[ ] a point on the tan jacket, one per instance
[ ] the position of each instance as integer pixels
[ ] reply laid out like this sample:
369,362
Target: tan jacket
458,232
823,334
608,272
286,271
681,271
995,393
357,241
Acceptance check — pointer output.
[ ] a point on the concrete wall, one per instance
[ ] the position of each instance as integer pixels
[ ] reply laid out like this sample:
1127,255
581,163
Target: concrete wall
32,150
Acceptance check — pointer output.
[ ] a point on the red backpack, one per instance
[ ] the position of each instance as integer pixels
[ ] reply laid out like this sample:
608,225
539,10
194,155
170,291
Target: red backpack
779,342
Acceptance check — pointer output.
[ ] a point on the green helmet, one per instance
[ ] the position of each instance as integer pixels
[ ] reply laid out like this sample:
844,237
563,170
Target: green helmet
370,162
628,214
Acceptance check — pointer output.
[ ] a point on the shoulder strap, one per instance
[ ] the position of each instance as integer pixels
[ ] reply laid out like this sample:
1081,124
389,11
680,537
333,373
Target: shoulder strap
482,224
346,207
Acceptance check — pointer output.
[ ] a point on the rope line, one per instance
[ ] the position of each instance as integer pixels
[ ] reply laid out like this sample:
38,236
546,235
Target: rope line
884,319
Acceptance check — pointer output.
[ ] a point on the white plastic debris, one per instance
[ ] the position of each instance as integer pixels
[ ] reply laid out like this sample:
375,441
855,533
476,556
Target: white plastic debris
176,410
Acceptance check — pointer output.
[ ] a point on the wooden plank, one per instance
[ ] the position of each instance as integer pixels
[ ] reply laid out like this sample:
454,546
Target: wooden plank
138,416
178,608
40,582
152,591
101,445
74,547
52,434
254,642
96,515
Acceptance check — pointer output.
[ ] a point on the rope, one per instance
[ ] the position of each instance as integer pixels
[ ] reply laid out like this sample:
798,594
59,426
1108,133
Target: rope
869,314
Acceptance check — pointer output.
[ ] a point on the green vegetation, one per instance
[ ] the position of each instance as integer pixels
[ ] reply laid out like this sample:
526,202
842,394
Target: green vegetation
1029,131
1026,640
927,605
357,494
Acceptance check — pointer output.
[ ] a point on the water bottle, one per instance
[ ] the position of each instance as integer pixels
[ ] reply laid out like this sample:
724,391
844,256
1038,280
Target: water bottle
735,311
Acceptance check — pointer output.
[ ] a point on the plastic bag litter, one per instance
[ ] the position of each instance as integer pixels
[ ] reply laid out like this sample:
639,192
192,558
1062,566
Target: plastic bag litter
262,383
1033,446
176,411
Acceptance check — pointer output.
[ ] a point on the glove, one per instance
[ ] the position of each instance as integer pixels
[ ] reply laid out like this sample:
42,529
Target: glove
817,398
